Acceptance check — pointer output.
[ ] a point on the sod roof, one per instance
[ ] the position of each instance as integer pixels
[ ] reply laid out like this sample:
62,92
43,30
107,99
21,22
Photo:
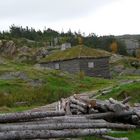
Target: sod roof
80,51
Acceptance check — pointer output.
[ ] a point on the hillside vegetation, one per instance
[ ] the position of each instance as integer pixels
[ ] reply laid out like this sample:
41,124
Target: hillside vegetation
49,37
23,84
124,91
26,85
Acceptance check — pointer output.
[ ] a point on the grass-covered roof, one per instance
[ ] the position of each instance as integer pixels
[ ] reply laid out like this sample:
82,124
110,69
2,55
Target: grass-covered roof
80,51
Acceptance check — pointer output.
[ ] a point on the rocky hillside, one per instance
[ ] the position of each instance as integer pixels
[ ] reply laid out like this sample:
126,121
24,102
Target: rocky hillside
132,43
123,65
25,54
9,50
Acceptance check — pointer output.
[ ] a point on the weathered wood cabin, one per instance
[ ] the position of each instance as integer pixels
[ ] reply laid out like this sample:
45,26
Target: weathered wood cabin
92,62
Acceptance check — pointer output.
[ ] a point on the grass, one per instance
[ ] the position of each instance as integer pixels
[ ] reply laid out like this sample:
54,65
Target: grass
52,89
6,109
76,52
132,135
54,85
123,91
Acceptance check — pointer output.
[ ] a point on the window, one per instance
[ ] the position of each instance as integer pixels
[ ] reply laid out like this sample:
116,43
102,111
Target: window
57,66
90,64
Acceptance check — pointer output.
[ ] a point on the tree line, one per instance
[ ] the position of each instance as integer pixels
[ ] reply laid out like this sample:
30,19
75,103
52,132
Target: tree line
52,38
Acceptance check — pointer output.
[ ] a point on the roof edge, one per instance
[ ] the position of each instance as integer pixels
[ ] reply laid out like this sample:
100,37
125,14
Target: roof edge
45,62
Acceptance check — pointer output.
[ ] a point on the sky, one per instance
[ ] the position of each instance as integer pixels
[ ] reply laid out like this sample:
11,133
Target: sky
102,17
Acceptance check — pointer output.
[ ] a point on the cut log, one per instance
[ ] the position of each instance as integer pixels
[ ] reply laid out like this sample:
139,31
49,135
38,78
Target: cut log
62,104
77,102
67,108
112,101
101,107
88,102
137,113
92,111
60,121
45,134
60,126
115,107
108,115
110,105
74,118
135,119
15,117
126,100
80,108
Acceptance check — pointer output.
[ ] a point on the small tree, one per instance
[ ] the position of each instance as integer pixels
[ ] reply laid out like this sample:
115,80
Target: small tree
114,47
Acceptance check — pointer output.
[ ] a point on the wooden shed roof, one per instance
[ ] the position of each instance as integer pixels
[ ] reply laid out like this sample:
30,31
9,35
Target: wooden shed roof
80,51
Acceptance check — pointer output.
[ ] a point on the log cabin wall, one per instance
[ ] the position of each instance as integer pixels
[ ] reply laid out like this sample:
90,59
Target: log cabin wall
71,66
100,68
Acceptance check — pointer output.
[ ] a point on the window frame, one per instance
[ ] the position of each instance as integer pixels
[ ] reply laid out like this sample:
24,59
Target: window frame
91,65
57,66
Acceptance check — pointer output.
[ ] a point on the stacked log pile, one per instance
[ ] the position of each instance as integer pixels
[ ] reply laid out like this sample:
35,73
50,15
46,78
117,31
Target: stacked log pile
111,110
77,117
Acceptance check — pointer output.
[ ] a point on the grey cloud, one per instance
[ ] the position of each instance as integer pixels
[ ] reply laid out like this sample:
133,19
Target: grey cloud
48,10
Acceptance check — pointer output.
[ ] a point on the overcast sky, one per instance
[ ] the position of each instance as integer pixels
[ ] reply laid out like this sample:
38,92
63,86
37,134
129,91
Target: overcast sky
102,17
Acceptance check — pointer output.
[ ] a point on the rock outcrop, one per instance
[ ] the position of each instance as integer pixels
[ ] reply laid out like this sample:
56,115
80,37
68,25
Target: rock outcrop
122,65
40,53
24,49
7,48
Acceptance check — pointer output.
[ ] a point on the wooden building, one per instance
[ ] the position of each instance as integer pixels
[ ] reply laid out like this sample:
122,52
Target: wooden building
92,62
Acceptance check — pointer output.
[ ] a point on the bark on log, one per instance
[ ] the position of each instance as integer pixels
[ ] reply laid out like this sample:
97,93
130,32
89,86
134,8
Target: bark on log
112,101
67,108
110,115
80,108
126,100
90,103
15,117
137,113
135,119
77,102
100,106
60,126
60,121
110,105
45,134
71,118
115,107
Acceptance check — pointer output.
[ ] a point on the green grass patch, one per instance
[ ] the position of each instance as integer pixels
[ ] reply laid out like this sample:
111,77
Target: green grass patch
124,91
55,85
132,135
